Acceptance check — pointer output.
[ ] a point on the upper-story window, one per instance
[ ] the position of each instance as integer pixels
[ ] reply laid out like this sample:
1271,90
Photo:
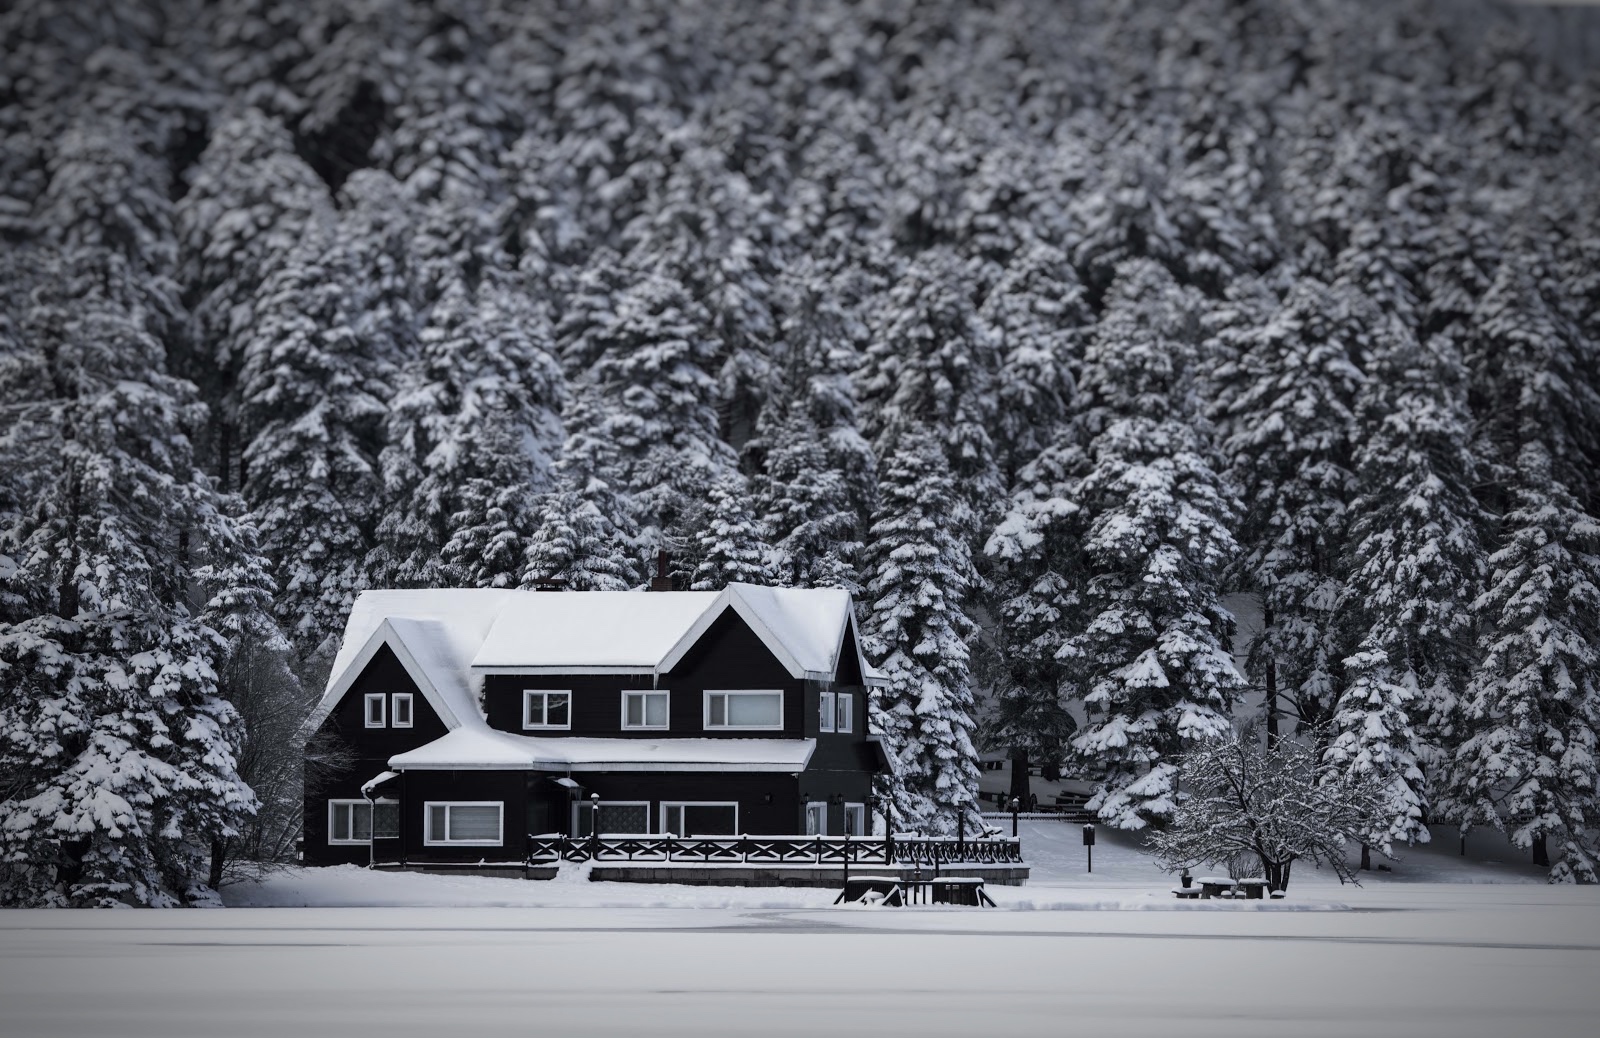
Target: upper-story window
377,716
644,709
747,710
825,711
542,709
402,710
844,711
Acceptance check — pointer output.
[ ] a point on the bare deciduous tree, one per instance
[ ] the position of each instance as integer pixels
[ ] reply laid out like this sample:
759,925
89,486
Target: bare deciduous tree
1276,803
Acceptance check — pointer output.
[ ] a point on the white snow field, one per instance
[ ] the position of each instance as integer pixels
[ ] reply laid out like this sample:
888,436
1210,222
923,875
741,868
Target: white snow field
1442,946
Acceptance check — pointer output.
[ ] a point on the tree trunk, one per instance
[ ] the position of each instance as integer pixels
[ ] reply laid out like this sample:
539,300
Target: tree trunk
1276,873
1541,852
1272,687
1019,776
1366,858
219,857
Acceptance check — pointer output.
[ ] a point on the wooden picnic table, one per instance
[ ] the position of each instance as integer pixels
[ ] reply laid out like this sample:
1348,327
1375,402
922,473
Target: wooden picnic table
1215,886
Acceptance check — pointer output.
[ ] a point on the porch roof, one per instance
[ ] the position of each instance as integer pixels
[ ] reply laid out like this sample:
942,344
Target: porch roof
473,748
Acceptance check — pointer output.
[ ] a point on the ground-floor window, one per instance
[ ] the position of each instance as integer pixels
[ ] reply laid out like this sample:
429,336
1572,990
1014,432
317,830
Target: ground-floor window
855,819
616,816
816,819
358,821
472,823
700,819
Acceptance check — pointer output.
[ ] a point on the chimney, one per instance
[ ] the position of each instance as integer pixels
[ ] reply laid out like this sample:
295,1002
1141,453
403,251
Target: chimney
661,581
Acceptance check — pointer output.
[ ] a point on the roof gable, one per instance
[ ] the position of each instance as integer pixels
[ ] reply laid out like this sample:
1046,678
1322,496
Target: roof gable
425,672
447,639
805,638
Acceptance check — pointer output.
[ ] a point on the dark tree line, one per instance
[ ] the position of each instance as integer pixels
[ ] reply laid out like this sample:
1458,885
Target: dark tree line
1041,327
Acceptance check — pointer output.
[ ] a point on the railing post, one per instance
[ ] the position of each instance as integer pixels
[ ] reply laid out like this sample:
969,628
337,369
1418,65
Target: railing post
846,859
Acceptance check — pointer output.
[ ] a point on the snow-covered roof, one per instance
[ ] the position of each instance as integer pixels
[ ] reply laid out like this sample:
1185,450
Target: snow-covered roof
472,747
448,638
434,633
575,632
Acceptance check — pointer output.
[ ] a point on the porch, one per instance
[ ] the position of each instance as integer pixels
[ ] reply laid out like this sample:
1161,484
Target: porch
821,861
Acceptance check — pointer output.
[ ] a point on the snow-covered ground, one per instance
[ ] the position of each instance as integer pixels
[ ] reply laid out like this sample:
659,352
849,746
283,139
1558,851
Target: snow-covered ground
1440,946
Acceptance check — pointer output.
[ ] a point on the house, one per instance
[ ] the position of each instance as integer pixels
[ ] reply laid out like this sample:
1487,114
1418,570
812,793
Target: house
474,718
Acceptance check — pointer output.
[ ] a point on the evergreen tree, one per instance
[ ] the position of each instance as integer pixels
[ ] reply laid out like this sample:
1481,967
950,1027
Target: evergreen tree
805,507
1285,394
1149,650
311,412
932,362
118,765
578,546
1374,742
1416,561
250,202
919,577
649,399
1036,575
731,546
1527,765
1036,311
478,401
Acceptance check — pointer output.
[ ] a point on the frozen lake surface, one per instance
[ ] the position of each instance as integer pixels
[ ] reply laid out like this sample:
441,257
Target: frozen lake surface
1404,954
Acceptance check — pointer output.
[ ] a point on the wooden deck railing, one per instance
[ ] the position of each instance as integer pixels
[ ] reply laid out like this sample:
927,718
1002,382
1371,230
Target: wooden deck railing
847,851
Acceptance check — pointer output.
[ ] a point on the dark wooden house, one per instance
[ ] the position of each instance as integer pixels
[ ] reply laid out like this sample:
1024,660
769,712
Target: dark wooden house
479,718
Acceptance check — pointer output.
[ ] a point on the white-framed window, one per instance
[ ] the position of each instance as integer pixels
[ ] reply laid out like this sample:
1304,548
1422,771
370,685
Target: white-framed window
700,818
546,709
462,823
401,717
844,719
855,819
375,710
358,821
745,709
616,816
816,818
825,711
644,710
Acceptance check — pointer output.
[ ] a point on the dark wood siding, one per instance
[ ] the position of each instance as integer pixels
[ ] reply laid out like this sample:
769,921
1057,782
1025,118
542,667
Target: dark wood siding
729,656
371,749
768,801
508,788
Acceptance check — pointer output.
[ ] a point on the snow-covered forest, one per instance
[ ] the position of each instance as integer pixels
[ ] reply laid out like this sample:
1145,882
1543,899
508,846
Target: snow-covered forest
1041,326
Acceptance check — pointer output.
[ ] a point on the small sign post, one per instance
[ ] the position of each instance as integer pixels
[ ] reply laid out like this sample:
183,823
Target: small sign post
1088,844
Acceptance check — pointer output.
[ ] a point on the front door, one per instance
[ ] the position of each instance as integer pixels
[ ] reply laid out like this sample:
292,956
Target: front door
816,819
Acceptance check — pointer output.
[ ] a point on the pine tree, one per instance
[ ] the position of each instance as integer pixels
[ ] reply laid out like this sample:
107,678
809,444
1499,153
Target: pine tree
1416,561
250,202
1149,651
732,548
932,362
311,411
1532,711
478,401
1374,742
1036,576
1285,394
118,766
919,577
1036,311
648,398
577,546
805,507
